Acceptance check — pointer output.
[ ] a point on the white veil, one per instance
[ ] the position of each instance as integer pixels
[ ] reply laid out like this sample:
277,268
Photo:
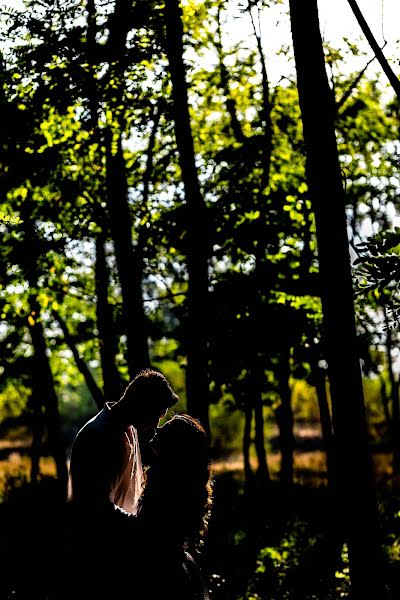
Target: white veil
130,485
137,475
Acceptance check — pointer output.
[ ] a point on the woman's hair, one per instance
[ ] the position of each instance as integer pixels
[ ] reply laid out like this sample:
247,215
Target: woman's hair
178,483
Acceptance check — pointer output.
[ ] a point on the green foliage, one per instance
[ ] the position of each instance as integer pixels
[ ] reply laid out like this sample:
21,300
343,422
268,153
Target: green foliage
13,402
278,567
304,402
226,429
376,271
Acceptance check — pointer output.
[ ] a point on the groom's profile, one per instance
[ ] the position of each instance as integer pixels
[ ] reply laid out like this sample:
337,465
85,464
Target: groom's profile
105,465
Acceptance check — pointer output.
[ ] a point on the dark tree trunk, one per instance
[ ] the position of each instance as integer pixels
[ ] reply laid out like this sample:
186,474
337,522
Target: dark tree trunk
359,508
129,265
92,59
248,418
37,435
105,326
263,470
224,74
80,363
129,271
284,417
257,379
44,389
260,272
112,384
387,69
326,424
385,403
259,440
265,112
197,385
43,384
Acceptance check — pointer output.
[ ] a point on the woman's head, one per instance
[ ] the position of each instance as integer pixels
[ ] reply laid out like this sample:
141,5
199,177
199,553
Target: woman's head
178,486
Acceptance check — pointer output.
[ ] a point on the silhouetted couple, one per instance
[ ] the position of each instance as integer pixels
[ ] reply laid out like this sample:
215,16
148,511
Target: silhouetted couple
140,497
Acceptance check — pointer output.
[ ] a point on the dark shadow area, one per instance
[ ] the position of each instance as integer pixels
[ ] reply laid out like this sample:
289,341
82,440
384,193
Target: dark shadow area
269,543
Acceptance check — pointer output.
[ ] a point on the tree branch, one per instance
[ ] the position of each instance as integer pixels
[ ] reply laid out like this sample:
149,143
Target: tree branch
394,81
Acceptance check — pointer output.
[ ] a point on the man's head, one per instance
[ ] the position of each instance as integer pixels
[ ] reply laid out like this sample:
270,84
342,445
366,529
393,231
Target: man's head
147,398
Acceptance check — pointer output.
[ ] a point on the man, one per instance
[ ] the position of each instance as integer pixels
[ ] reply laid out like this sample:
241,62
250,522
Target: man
105,466
100,536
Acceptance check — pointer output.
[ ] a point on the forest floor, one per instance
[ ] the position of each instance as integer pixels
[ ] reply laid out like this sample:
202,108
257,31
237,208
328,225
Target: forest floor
265,544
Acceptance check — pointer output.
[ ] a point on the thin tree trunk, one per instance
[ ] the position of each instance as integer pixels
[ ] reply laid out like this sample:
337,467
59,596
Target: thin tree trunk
37,435
44,388
105,326
129,265
359,508
92,59
259,440
92,386
285,422
43,383
224,74
197,385
129,272
385,402
265,112
257,378
248,418
104,312
326,425
387,69
259,270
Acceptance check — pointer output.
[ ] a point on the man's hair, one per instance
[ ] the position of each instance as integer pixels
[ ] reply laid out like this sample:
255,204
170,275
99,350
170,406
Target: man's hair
152,383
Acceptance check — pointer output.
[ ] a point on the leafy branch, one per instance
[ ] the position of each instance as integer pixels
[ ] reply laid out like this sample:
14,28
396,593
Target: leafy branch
377,273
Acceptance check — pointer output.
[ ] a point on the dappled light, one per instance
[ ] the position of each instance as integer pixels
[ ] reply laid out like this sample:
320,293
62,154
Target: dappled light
199,300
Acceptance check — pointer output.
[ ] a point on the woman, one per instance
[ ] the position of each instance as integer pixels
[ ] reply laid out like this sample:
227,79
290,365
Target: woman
173,512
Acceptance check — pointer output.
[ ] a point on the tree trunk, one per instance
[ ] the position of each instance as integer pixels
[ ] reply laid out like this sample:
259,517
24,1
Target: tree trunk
44,389
257,378
248,417
104,312
43,383
129,272
260,258
129,266
80,363
385,403
265,112
285,422
197,239
359,503
105,326
224,74
326,425
259,440
387,69
37,435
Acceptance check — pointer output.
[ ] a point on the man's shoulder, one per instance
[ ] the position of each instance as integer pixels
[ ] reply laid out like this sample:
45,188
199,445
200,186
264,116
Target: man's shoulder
94,427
